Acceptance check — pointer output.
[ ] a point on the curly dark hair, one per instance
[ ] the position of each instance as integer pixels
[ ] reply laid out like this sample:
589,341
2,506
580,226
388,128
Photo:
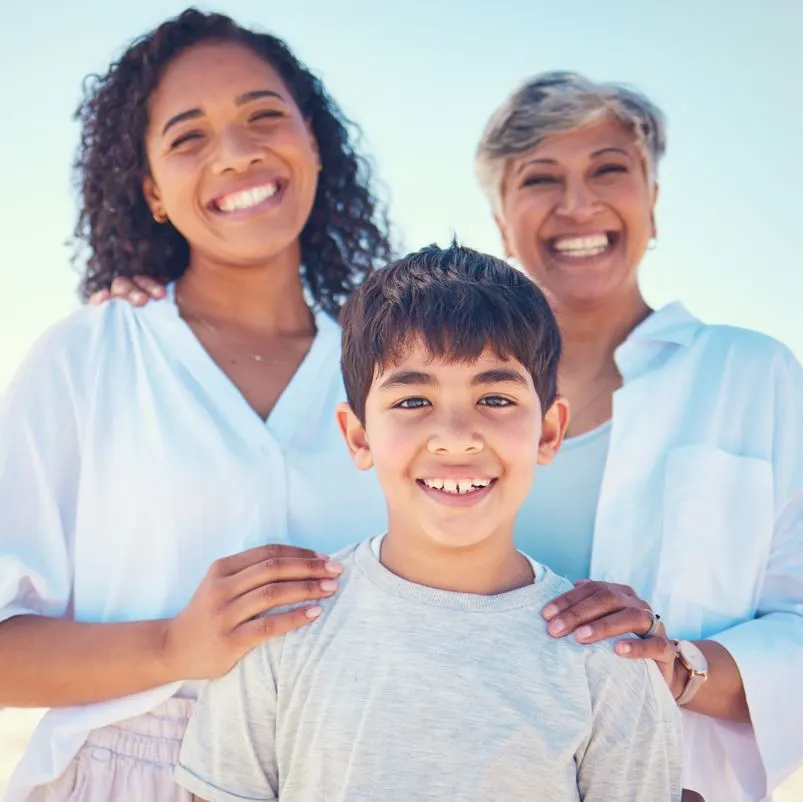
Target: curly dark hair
346,236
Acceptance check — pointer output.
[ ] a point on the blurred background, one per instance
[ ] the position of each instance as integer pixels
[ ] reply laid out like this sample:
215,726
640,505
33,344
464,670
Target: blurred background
421,78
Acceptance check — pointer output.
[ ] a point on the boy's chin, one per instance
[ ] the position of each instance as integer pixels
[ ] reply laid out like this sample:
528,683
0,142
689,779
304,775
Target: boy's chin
456,537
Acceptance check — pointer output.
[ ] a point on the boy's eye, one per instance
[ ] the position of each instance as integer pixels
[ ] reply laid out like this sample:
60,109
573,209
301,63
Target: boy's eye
412,403
496,401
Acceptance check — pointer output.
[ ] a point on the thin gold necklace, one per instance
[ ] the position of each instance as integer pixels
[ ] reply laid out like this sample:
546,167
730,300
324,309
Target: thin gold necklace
595,397
210,327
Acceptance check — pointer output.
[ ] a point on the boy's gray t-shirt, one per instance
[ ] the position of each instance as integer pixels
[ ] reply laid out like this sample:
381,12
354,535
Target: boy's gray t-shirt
403,692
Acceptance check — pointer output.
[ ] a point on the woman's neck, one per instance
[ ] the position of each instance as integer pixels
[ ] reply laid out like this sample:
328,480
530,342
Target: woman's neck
591,336
268,298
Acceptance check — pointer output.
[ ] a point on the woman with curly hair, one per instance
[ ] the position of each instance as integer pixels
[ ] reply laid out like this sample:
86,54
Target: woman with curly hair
142,446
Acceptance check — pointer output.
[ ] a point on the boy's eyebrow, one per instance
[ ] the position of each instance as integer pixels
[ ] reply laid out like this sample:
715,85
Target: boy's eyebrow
498,376
192,114
404,378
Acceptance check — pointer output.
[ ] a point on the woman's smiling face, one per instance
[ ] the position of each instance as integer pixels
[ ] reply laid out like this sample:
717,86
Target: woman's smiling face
577,213
233,163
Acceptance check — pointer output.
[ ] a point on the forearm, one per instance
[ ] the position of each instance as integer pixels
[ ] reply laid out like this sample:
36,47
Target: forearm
722,695
50,662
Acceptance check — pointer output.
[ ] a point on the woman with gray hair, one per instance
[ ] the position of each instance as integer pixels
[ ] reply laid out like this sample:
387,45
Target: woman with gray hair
680,486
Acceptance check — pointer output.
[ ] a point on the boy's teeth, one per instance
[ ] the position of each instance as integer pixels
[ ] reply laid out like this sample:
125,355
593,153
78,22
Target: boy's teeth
456,486
247,198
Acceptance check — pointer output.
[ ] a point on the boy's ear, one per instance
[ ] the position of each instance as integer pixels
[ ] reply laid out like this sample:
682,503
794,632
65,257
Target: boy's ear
355,436
553,430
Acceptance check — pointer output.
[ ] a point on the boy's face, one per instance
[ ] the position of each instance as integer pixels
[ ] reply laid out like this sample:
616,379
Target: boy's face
454,445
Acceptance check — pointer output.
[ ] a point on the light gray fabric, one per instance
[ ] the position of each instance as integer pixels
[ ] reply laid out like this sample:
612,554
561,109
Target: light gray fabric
402,692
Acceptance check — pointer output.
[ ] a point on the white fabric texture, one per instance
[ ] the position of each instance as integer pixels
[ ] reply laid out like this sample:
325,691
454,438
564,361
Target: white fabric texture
130,462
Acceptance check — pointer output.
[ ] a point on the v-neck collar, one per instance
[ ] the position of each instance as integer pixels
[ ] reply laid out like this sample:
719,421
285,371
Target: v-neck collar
293,405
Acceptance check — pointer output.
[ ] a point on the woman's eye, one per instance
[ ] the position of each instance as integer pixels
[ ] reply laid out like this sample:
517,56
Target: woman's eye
609,169
185,138
496,401
266,114
539,180
412,403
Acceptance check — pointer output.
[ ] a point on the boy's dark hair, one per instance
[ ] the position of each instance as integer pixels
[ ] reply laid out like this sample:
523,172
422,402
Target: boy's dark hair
346,235
458,302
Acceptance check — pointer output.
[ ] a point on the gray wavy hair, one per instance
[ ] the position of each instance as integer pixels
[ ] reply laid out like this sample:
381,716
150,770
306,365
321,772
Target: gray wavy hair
556,103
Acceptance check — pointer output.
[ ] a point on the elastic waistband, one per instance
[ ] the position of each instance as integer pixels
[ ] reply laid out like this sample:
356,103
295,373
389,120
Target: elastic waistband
154,737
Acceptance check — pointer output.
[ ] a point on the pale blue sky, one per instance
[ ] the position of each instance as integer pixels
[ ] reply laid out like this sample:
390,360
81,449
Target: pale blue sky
422,77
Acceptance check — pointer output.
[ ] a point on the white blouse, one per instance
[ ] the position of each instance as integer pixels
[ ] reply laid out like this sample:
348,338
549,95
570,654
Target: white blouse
701,512
130,462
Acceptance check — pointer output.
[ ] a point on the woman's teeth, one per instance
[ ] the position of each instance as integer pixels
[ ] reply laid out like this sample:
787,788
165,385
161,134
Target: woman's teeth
456,486
582,247
247,199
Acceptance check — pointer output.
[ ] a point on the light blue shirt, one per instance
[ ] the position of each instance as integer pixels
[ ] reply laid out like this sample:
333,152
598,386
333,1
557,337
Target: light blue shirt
556,522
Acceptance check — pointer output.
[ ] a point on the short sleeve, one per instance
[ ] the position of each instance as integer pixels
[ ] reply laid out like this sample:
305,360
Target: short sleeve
229,748
634,751
40,468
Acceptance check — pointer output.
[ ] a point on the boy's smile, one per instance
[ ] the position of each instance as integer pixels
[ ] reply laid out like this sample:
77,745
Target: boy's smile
454,445
457,491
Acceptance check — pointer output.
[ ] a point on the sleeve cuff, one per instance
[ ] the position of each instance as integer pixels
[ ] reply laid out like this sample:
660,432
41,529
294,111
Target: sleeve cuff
13,610
769,652
203,789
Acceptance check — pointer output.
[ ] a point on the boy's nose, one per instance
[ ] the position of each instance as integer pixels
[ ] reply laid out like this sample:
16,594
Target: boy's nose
455,438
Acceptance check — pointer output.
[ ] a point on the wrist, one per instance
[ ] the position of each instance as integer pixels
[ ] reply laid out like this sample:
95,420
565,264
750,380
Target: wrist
694,662
167,658
680,678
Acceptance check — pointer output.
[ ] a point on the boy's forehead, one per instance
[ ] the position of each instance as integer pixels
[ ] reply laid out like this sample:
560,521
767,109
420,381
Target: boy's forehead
419,358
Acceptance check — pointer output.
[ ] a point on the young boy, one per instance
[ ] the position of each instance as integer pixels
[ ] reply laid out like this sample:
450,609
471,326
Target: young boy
430,675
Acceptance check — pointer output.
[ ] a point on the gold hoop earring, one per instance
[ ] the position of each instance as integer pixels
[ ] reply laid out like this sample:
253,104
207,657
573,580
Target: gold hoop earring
160,216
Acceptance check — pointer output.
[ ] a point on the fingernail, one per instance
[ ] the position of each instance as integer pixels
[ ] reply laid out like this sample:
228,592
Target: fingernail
624,648
556,627
159,291
137,297
328,585
312,612
550,611
321,555
334,568
585,632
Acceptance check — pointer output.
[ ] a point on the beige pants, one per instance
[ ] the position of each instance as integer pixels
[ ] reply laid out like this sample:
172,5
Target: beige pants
131,761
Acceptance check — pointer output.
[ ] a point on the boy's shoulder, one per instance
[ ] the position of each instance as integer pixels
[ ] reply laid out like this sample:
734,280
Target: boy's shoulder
347,583
600,660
